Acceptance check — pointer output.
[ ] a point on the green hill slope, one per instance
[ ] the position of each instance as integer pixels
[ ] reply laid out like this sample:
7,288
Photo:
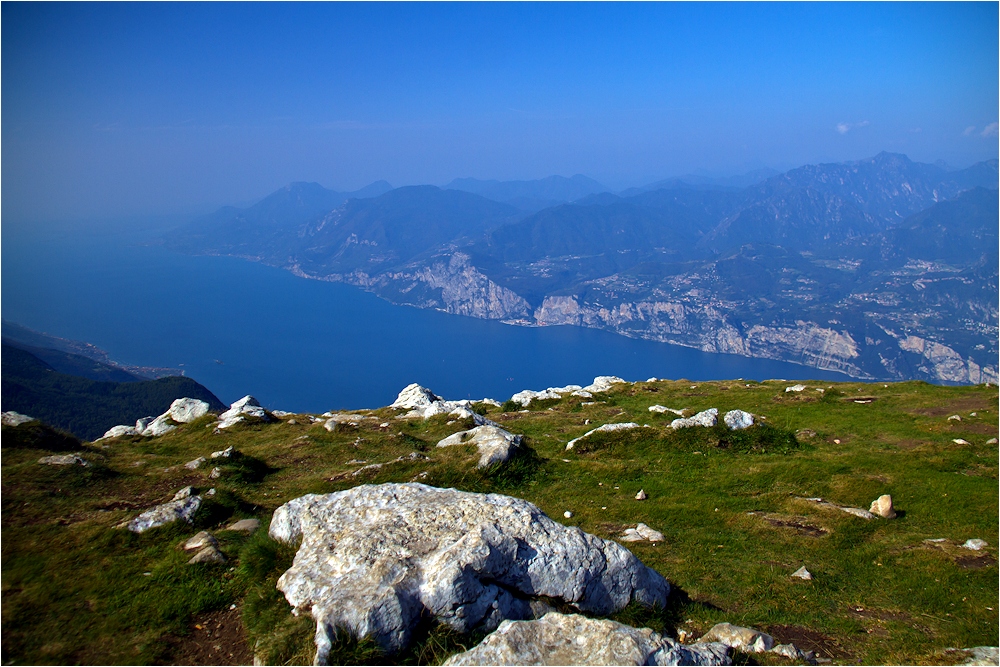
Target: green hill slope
736,509
83,406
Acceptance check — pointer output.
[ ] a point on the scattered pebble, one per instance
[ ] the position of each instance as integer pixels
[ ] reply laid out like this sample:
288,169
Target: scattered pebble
991,441
954,418
641,495
960,441
975,544
803,573
568,514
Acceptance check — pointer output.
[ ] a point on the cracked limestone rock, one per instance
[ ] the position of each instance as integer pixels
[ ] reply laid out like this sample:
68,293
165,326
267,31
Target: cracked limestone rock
737,420
571,639
375,560
179,509
240,410
882,506
704,418
641,533
495,444
64,460
603,383
186,410
423,403
739,638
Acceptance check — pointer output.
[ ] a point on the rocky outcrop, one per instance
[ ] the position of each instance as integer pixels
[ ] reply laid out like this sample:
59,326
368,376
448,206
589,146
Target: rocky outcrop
495,444
240,410
737,420
422,403
178,509
641,533
186,410
945,364
707,418
181,411
600,384
11,418
64,460
447,282
571,639
606,428
374,560
710,328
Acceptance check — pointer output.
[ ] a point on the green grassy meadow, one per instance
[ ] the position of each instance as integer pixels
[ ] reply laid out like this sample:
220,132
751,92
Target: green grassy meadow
732,507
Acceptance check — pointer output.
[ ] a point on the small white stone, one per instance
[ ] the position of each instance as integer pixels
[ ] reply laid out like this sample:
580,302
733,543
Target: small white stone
568,514
975,544
795,387
641,495
802,573
954,418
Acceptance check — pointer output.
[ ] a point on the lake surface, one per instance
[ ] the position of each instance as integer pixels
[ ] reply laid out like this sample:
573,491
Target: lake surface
306,345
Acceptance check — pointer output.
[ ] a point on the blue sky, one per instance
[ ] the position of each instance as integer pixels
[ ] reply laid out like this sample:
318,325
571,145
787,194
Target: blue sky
121,109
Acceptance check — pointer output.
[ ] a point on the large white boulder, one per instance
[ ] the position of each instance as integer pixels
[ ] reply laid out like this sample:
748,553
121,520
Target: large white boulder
185,410
704,418
603,383
160,426
422,403
526,396
495,444
602,429
414,396
375,560
240,410
571,639
737,420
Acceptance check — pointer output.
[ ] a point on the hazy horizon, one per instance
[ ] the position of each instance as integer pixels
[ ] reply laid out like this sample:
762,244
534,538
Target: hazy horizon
117,110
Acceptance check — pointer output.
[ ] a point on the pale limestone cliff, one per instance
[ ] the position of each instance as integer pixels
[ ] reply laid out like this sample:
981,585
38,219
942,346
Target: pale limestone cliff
946,364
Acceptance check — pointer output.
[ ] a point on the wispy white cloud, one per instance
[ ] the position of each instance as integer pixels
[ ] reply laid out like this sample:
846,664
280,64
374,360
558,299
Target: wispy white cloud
844,128
990,130
969,130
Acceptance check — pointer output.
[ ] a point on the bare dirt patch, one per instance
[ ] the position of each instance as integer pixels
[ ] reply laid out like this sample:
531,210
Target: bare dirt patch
216,638
909,444
799,524
959,406
975,562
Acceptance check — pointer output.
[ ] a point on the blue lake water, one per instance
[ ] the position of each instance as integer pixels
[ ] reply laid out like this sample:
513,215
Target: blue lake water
305,345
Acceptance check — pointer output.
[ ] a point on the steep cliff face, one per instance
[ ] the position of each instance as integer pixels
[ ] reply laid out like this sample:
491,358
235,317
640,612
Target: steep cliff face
943,363
449,283
711,329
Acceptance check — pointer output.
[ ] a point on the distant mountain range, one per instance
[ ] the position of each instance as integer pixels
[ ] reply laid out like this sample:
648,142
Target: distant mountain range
881,268
531,196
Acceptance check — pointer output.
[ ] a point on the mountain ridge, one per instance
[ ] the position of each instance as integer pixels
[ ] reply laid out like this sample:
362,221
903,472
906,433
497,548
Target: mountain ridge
689,265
